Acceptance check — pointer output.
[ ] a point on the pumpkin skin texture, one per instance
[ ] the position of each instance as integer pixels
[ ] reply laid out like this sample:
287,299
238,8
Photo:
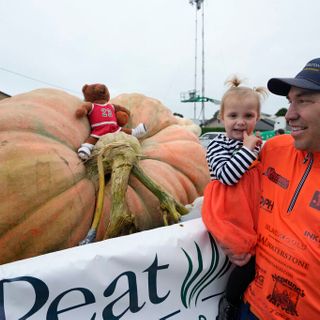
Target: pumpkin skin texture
47,200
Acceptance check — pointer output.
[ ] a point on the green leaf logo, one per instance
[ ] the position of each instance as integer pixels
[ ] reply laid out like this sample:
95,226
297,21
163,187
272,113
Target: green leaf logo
196,279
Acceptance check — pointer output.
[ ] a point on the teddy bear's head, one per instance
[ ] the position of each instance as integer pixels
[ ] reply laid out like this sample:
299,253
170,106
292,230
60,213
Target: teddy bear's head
96,93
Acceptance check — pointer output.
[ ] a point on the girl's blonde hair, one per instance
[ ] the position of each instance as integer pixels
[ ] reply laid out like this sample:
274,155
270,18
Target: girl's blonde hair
234,83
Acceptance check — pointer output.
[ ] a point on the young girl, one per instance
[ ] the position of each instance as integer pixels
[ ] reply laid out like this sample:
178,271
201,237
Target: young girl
231,200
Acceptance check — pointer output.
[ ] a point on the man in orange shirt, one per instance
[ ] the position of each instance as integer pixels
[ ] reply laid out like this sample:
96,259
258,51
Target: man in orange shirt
287,281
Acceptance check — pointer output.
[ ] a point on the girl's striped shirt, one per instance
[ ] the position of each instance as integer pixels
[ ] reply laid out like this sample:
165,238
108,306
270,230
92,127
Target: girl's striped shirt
228,159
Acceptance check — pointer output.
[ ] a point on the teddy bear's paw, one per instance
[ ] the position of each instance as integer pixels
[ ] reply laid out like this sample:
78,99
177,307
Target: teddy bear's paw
139,131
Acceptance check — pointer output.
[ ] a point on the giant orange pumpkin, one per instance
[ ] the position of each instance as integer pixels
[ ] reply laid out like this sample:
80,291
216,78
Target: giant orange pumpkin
46,198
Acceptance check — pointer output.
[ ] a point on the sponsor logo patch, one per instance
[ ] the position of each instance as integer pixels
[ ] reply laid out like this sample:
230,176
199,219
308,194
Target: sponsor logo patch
266,204
276,178
259,276
285,295
315,202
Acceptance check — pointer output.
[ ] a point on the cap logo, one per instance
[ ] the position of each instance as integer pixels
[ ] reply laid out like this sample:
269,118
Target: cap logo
312,66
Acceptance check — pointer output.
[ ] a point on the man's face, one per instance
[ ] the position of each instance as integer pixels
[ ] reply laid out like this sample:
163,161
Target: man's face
303,116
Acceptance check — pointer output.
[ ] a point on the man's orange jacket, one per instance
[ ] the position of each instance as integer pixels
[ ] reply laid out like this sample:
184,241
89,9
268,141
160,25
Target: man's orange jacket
287,281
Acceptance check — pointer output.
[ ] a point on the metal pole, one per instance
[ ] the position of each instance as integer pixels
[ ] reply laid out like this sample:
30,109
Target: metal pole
195,62
203,81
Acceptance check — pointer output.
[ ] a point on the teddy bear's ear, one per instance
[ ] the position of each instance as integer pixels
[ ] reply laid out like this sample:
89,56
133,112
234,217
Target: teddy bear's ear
84,88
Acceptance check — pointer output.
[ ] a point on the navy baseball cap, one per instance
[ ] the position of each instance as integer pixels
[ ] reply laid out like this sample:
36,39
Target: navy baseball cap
308,78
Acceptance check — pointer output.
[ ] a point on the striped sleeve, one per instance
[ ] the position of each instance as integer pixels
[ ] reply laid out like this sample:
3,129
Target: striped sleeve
226,165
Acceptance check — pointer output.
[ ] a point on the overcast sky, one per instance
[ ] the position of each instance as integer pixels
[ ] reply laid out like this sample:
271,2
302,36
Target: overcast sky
148,46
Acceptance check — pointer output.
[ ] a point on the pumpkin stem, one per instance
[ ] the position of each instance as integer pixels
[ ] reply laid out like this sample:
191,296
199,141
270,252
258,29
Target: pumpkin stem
91,235
120,153
172,209
121,220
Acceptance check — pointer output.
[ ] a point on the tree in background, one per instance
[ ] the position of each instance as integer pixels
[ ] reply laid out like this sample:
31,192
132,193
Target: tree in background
281,112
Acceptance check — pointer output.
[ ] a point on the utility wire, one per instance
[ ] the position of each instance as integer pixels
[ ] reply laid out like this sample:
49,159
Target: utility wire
37,80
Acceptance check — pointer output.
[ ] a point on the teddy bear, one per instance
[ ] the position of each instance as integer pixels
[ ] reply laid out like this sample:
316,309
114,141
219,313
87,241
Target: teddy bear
103,117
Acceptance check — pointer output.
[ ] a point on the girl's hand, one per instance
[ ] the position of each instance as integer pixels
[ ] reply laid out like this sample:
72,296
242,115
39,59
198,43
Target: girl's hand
241,259
251,141
237,259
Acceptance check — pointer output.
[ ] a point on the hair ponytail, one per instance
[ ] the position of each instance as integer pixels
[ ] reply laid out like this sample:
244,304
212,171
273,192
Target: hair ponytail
233,82
236,88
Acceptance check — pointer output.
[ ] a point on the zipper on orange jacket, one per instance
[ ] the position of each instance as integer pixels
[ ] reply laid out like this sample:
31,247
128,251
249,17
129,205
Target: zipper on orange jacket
302,181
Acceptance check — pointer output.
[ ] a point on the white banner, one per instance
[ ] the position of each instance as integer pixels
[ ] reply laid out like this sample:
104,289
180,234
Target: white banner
175,272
